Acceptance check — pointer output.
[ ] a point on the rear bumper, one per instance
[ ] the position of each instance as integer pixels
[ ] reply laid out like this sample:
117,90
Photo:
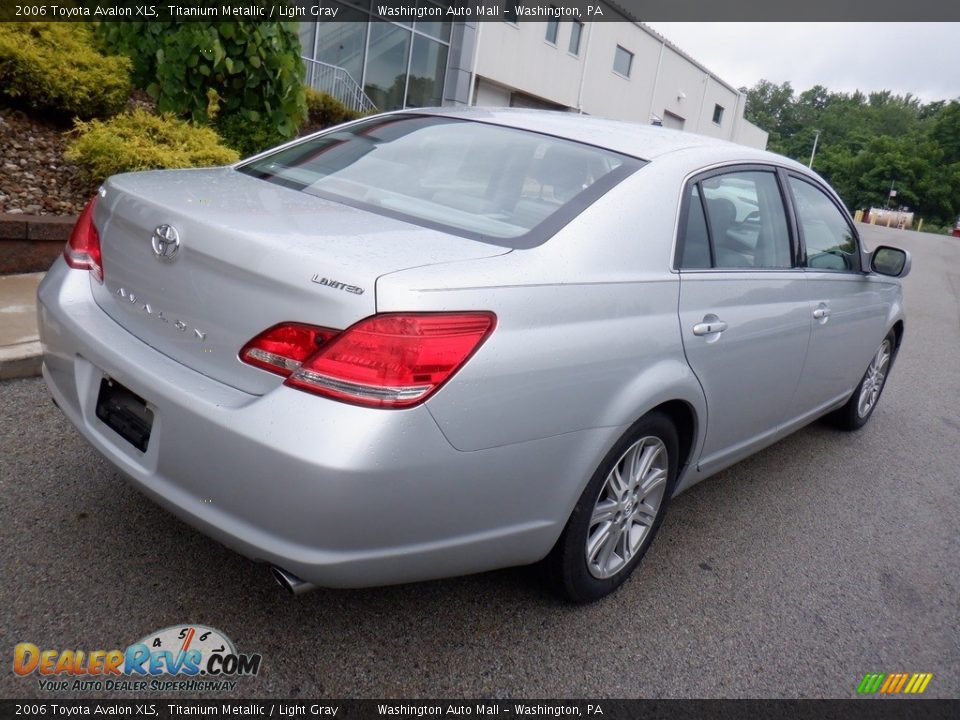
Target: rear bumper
340,495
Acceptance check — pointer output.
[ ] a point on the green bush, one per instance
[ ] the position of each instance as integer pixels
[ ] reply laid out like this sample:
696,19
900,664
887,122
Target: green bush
139,41
141,141
55,68
937,229
207,70
245,136
324,110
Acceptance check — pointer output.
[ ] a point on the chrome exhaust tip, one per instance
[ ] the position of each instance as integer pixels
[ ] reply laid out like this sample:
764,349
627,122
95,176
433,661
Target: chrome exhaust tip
290,582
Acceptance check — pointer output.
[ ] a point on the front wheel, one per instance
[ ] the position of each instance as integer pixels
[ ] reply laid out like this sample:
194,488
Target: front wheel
863,402
618,513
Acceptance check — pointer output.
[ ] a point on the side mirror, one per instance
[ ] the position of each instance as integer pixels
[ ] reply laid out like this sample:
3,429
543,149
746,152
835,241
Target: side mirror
890,261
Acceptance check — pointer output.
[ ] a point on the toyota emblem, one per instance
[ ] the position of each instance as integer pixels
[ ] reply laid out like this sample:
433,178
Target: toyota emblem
165,242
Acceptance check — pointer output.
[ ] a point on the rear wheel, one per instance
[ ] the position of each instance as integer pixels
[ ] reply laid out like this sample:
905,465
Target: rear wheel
860,406
618,513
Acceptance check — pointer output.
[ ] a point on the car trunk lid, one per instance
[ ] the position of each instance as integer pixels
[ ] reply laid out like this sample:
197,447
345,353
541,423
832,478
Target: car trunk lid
251,254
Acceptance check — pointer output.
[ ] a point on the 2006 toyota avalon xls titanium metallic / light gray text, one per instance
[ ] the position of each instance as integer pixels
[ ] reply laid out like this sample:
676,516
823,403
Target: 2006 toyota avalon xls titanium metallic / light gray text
438,342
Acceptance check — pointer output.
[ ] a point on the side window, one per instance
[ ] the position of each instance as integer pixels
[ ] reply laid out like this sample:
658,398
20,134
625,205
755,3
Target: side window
747,221
827,235
696,241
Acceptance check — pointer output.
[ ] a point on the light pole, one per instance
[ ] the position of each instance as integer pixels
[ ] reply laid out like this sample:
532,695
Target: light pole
814,151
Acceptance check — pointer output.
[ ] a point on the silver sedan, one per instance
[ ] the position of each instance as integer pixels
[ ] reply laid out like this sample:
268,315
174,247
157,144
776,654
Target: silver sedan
439,342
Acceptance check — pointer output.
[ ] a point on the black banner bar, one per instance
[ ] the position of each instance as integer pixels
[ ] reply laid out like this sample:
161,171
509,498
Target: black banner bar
481,10
866,709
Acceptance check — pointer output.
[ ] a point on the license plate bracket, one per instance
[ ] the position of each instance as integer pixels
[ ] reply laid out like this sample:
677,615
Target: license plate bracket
125,412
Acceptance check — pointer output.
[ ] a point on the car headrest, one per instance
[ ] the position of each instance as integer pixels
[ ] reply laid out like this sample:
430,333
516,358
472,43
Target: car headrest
566,170
722,211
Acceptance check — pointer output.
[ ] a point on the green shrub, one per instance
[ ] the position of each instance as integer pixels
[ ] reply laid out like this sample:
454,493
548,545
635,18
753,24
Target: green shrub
938,229
245,136
324,110
139,41
141,141
205,70
54,68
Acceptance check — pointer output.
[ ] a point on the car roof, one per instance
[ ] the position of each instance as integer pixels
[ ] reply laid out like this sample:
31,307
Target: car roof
646,142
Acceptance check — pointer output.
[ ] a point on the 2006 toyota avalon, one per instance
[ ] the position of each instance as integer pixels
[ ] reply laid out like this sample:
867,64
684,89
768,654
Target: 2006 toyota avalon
438,342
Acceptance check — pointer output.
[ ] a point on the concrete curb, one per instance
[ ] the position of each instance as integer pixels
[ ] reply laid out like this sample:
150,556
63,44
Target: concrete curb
20,351
20,361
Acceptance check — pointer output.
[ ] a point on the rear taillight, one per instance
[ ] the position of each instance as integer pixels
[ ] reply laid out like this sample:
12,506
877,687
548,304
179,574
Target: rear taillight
83,248
283,348
392,360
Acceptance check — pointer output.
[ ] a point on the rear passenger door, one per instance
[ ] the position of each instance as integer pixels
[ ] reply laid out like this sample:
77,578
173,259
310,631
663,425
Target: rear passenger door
744,311
849,306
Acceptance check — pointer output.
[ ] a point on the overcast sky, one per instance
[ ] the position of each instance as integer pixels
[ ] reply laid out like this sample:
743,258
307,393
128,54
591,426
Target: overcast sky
919,58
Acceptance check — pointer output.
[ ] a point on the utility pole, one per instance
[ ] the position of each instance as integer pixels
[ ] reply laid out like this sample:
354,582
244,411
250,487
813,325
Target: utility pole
814,151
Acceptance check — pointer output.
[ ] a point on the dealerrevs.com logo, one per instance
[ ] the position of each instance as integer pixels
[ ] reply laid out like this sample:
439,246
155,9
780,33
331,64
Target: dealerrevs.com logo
186,658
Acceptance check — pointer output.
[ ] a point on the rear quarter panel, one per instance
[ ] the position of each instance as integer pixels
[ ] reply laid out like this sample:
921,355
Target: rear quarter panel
587,333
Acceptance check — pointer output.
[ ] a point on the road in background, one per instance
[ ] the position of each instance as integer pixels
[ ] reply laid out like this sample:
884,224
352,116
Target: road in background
792,574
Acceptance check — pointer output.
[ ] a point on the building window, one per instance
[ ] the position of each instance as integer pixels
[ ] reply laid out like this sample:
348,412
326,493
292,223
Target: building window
553,27
717,114
510,11
397,64
340,43
428,63
388,53
622,61
576,33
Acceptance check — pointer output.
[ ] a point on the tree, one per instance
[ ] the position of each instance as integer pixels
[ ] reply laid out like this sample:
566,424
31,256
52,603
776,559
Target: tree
244,77
868,141
770,107
945,131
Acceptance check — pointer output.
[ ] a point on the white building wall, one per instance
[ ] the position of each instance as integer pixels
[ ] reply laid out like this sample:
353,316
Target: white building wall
491,95
609,94
517,58
751,135
683,89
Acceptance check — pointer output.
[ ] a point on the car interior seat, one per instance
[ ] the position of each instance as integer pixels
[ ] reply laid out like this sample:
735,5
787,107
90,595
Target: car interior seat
723,218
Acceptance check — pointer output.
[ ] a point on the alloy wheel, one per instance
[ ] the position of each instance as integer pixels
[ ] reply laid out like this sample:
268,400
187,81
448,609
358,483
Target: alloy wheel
627,507
873,381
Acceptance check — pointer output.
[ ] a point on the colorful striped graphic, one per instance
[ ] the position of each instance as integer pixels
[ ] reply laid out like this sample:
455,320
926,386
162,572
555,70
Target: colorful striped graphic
894,683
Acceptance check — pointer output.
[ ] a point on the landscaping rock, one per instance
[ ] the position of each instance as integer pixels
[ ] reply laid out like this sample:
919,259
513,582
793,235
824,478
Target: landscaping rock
35,179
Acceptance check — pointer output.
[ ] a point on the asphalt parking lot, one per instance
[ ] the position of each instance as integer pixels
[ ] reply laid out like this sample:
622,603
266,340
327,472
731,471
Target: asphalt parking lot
791,574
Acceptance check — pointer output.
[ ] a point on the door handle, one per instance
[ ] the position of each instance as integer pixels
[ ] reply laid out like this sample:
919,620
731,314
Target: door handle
821,313
709,328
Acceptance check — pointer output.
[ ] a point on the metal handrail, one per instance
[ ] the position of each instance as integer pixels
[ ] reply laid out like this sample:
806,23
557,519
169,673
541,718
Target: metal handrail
337,82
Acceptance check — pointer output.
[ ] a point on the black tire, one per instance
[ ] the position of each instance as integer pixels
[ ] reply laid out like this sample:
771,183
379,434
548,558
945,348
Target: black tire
567,565
849,417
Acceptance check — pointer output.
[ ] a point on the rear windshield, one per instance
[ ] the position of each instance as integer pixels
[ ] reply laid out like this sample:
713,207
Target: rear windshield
473,179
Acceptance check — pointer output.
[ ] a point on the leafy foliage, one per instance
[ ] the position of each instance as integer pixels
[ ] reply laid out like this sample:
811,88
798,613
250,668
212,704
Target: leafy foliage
139,41
324,110
245,136
55,68
244,77
867,143
142,141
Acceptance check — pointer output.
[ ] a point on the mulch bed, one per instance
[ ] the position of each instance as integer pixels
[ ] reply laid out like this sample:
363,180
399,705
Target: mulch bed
34,177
